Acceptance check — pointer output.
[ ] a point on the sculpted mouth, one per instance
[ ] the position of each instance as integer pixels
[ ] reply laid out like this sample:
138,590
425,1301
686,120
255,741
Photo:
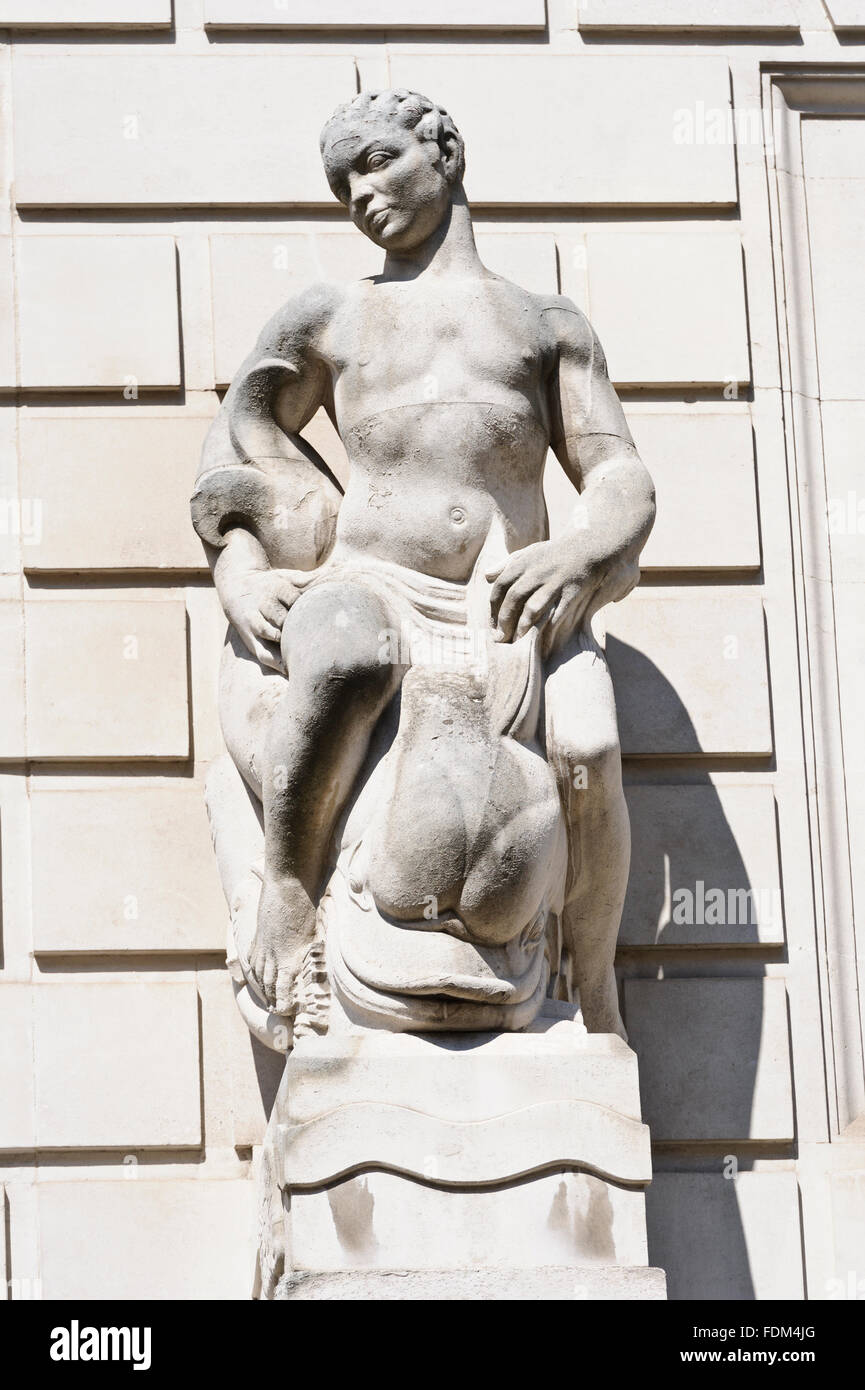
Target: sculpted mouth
377,219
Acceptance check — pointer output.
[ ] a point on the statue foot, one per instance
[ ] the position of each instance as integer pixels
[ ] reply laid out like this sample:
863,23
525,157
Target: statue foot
272,975
283,934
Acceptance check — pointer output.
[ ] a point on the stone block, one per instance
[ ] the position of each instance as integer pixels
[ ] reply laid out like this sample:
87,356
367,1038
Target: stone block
703,469
727,1238
690,673
688,16
491,1075
85,14
13,739
158,127
240,1075
8,374
702,466
381,1220
207,628
477,1128
714,1058
253,275
690,843
669,307
5,1270
97,311
619,112
846,14
376,14
112,490
106,678
155,1238
527,258
157,888
18,1111
559,1283
833,152
847,1206
256,1072
20,517
116,1064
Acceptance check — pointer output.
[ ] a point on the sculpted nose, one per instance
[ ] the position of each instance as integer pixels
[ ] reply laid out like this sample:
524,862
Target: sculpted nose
359,195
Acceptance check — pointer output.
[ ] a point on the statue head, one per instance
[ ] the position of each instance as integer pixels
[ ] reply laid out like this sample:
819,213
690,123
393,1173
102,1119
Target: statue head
395,160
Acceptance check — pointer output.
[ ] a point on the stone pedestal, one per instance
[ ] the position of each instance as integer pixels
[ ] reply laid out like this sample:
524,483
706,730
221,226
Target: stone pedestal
486,1166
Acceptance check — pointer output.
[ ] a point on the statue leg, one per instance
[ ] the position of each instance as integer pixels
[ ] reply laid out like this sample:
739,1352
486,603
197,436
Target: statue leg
316,744
583,749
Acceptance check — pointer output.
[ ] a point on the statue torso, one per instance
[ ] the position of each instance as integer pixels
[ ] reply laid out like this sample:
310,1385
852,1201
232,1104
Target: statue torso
440,399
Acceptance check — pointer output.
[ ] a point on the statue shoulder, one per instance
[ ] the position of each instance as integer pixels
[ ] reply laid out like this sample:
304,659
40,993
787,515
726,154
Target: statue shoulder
569,330
301,321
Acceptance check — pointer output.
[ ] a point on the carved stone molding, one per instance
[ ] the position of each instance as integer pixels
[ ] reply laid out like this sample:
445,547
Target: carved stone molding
791,97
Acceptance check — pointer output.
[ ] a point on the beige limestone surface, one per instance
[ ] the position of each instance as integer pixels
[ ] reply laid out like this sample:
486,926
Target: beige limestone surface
123,142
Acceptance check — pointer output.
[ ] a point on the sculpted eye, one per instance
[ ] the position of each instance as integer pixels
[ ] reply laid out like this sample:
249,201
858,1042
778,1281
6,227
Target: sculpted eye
378,160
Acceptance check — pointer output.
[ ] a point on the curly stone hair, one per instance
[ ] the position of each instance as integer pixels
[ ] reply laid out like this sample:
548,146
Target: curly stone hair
410,109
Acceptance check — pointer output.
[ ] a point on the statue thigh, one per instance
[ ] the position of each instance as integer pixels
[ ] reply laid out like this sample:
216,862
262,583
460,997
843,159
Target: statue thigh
335,633
332,639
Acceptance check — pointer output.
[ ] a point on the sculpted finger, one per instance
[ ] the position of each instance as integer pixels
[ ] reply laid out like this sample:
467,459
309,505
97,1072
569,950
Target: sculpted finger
497,594
510,611
256,971
568,597
536,610
286,594
509,575
561,622
294,578
263,628
269,656
269,982
273,610
284,991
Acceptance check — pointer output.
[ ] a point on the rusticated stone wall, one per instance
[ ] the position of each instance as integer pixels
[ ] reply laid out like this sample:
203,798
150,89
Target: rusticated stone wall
161,195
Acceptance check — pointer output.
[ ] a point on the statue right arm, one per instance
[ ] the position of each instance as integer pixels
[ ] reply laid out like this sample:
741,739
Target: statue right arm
264,501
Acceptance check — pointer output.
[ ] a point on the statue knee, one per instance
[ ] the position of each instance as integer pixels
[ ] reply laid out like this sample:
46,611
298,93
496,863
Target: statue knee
336,674
332,645
361,674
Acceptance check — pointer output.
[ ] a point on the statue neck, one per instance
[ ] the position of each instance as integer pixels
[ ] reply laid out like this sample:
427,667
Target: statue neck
450,250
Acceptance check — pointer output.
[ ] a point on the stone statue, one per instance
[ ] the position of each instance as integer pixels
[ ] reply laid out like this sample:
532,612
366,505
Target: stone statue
421,829
411,687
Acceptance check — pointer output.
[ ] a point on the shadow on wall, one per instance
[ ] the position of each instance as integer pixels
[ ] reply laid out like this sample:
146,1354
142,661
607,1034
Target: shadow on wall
695,1016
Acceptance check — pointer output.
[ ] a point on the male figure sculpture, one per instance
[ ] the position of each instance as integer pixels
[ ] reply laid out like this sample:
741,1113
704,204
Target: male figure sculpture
451,832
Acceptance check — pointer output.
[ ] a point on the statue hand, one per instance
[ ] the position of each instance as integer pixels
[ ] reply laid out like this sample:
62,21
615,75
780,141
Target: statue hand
257,606
542,585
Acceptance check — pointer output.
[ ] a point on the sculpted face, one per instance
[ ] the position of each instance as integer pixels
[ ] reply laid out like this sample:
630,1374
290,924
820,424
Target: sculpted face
395,184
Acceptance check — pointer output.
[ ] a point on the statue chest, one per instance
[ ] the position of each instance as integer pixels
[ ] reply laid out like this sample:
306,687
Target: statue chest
421,348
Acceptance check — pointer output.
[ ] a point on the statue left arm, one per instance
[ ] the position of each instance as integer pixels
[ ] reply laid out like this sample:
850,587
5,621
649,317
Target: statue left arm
559,583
